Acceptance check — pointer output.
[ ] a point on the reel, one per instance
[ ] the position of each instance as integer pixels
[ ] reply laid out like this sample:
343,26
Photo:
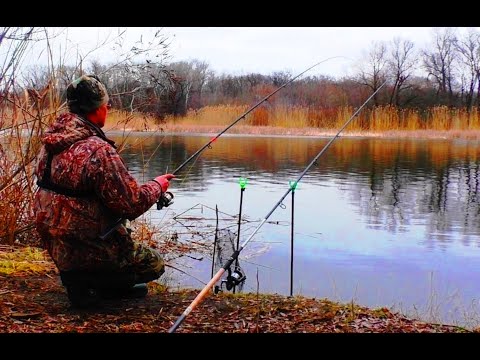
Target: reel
166,199
234,278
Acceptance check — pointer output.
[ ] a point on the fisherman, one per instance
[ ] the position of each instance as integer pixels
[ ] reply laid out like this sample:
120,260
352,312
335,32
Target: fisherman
84,187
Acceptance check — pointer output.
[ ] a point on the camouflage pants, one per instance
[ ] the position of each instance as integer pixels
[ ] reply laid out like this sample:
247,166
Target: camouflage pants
134,257
144,262
144,265
117,262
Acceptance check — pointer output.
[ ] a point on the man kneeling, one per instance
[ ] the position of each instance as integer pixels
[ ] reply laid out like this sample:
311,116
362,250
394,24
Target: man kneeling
84,188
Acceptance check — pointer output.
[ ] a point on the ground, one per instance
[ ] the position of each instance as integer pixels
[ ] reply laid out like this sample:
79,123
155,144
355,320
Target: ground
32,300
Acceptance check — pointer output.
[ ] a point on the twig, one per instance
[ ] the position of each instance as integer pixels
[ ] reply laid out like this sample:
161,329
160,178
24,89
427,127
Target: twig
258,305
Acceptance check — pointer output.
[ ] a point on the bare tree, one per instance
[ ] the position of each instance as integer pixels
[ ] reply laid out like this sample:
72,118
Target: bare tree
401,64
439,62
191,77
280,77
468,48
373,68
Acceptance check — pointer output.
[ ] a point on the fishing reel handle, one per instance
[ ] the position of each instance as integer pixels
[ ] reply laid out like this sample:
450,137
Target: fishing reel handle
165,200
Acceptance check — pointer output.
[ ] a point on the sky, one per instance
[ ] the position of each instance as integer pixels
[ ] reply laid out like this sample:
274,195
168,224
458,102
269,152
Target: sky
242,50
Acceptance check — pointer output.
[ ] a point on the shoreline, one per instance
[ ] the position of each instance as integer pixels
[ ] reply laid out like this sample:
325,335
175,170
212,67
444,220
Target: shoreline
268,131
43,307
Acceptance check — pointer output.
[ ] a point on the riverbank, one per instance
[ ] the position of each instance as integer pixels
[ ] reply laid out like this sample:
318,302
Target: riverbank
307,132
32,300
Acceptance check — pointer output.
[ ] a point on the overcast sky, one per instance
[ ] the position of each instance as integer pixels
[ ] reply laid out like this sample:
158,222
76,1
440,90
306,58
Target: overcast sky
240,50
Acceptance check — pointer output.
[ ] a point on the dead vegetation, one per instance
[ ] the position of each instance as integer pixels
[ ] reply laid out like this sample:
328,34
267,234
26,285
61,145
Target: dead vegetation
32,300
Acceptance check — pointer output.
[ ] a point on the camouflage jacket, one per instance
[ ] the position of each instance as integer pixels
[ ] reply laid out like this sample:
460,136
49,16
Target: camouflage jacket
84,160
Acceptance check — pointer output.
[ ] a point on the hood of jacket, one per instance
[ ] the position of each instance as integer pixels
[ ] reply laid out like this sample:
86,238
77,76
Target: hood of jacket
65,131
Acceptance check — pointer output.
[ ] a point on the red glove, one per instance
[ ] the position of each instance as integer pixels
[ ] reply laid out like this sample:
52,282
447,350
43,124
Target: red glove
163,181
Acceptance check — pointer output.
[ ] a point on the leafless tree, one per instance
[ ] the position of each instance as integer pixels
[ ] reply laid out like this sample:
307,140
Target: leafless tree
401,65
468,48
372,69
191,77
439,62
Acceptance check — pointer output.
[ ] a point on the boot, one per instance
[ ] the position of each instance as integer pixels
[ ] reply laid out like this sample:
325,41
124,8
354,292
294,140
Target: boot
86,289
81,296
133,292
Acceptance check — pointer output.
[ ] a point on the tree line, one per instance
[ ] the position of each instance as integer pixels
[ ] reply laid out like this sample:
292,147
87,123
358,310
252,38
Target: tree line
445,73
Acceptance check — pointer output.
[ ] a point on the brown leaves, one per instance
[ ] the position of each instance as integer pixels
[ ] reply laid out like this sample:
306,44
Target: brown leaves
38,303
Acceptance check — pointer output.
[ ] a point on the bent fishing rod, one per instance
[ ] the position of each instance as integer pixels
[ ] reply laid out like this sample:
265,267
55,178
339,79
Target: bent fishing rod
198,299
167,198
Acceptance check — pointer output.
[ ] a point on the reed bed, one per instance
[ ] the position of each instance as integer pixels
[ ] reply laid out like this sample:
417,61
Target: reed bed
136,121
22,124
309,121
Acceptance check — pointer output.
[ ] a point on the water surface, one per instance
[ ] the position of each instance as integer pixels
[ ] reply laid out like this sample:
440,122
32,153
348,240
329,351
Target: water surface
381,222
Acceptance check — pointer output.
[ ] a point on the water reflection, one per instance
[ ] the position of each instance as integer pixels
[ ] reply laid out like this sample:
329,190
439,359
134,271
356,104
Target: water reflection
374,216
391,182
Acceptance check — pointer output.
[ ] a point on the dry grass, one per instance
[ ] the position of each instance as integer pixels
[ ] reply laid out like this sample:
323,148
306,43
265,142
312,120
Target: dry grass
439,122
24,117
124,120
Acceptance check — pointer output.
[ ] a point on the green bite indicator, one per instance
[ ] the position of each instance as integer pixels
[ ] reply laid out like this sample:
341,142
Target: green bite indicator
293,185
243,183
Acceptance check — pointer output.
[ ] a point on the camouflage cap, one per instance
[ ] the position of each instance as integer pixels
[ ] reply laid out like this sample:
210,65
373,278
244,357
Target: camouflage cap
86,94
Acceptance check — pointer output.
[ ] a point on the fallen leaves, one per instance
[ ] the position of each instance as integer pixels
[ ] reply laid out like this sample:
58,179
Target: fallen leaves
32,302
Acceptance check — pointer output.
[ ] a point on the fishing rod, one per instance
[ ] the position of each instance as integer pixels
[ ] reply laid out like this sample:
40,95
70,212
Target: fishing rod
166,198
198,299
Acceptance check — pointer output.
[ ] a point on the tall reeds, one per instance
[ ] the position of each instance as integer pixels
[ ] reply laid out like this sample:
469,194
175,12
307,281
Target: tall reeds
136,121
23,113
379,119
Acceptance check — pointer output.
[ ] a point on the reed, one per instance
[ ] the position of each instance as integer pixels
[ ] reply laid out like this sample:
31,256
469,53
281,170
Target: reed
135,121
24,115
220,115
378,120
